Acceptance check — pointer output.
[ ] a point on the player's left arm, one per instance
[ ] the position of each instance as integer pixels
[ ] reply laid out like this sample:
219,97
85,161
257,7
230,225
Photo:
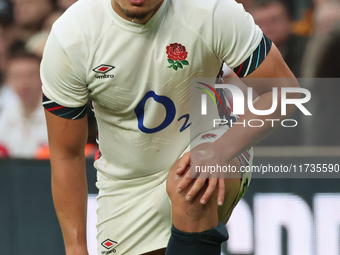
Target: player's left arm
242,46
243,137
240,138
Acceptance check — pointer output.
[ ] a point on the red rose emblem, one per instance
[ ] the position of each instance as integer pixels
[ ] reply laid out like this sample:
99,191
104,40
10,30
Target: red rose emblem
176,52
177,55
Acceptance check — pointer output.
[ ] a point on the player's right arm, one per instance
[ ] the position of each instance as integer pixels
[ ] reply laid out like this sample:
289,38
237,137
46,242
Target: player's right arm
67,140
65,98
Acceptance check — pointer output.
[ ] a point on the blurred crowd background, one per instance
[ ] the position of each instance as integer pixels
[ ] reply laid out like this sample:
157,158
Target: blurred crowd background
306,32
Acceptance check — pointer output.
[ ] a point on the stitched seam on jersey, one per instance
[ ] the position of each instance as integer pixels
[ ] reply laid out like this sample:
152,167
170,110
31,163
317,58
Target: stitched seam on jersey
213,29
246,57
206,43
255,59
200,36
93,50
73,69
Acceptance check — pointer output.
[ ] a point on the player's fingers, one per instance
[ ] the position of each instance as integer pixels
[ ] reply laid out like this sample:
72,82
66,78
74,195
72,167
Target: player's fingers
199,182
183,163
209,191
184,182
221,191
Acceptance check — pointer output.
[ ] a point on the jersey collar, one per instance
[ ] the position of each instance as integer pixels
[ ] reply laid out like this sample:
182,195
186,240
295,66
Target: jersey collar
134,27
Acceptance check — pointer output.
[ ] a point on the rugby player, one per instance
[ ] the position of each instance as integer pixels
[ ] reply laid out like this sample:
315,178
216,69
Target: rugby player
134,60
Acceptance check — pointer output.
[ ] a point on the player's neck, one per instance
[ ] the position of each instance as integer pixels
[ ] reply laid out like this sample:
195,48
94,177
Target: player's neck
118,9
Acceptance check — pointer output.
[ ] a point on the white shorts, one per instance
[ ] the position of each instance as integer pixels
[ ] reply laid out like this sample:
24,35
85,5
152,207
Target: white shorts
134,216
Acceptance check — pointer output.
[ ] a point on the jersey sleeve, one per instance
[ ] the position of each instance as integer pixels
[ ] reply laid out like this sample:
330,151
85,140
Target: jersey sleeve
238,41
64,93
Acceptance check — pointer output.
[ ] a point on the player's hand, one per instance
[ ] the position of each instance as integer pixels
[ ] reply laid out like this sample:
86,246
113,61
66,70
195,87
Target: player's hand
200,159
183,164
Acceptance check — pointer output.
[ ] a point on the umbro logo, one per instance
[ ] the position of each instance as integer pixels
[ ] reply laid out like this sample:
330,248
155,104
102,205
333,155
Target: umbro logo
103,69
109,244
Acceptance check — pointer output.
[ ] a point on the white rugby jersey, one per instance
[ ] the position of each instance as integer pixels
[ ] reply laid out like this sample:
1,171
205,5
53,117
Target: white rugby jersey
138,76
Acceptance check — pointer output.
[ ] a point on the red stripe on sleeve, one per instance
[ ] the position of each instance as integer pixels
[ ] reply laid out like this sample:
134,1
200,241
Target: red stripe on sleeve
239,70
55,108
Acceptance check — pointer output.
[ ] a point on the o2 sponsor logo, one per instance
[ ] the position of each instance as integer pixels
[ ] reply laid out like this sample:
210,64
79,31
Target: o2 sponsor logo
170,113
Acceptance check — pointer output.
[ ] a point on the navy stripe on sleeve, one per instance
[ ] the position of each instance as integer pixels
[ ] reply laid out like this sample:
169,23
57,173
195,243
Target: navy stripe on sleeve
255,59
64,112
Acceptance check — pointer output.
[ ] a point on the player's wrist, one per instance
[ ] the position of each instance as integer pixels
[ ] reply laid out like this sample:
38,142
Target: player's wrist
76,250
220,151
75,244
